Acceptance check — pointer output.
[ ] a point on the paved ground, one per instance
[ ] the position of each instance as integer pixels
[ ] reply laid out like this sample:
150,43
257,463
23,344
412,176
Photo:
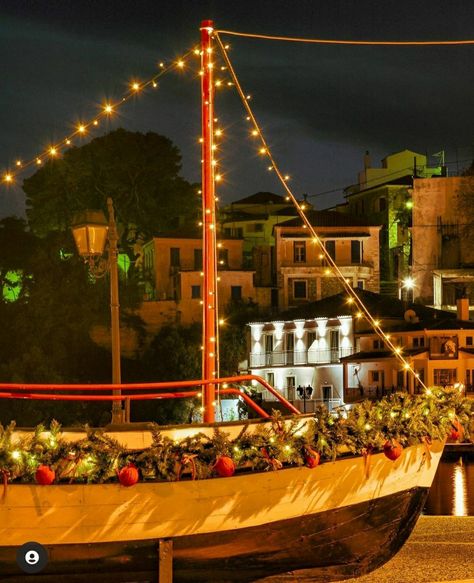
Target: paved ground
440,550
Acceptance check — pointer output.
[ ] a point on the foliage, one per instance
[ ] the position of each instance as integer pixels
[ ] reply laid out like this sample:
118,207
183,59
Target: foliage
139,171
409,419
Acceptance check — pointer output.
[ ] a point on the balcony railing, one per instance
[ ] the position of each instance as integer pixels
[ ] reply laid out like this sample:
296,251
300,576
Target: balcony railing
298,357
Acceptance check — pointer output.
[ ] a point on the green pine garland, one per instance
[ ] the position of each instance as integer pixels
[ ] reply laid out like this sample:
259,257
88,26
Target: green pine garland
97,458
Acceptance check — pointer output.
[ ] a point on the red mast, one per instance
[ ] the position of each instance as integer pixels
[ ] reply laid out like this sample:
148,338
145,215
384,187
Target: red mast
209,297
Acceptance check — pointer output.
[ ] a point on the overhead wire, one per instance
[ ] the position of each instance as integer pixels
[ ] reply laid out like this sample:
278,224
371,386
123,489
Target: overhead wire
324,41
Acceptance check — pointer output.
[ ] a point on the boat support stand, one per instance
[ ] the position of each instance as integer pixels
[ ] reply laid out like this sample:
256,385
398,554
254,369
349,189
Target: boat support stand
165,560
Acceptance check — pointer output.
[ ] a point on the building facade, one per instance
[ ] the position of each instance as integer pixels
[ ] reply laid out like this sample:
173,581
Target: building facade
383,195
440,351
303,274
301,358
443,247
173,268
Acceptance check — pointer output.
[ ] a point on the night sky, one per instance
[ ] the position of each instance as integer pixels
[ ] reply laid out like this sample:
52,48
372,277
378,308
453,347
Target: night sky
320,107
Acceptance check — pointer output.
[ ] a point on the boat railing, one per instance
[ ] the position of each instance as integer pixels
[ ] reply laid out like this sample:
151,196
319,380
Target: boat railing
235,385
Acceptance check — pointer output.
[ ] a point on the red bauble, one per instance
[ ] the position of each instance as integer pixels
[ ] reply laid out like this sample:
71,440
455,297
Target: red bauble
225,466
45,475
392,449
456,431
128,475
312,459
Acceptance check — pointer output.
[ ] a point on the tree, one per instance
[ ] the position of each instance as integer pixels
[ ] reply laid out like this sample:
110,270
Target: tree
139,171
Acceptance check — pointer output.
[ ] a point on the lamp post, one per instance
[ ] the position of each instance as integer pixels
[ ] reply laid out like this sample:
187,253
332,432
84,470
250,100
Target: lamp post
91,231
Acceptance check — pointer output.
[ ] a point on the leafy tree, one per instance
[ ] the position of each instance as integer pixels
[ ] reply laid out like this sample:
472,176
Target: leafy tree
139,171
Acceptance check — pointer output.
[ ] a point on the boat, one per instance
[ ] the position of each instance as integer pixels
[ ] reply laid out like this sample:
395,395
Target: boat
331,520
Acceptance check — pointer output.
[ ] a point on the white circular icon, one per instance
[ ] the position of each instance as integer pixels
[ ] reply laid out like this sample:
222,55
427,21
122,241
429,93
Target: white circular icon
32,557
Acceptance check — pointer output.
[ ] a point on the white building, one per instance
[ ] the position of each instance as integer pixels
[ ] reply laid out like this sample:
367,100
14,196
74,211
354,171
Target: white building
299,354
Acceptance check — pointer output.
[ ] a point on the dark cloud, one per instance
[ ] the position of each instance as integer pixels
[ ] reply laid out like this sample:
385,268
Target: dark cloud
321,107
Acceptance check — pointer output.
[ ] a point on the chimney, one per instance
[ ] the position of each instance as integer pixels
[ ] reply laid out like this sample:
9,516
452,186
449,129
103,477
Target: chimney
367,160
462,305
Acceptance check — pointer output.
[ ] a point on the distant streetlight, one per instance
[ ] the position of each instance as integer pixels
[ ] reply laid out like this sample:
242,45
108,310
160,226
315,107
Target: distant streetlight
91,231
409,284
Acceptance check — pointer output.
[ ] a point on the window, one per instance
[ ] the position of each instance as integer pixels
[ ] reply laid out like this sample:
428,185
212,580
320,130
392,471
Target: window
310,338
331,249
360,284
374,376
254,228
299,252
236,293
268,342
223,258
299,290
418,342
271,379
196,292
379,344
382,203
468,340
234,232
444,376
174,257
356,252
197,259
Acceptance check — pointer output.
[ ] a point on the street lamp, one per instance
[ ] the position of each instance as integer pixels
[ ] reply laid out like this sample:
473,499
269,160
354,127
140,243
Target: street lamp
91,231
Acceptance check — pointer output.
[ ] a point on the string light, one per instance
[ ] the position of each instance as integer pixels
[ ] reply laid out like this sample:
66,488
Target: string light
363,311
105,110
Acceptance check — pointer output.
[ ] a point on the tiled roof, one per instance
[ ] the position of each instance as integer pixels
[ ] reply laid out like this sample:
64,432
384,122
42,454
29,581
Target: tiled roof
378,354
262,198
379,306
329,219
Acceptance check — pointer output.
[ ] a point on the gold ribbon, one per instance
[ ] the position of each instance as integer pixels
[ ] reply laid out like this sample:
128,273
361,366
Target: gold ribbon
367,452
273,463
185,460
5,475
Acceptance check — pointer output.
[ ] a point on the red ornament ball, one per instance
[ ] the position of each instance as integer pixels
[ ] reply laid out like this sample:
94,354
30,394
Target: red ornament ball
312,459
128,475
456,431
392,449
225,466
45,475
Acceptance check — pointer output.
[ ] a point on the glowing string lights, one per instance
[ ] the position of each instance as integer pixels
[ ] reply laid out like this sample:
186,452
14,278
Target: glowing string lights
82,128
283,178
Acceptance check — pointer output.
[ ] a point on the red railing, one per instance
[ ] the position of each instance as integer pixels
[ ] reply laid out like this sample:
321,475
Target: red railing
38,391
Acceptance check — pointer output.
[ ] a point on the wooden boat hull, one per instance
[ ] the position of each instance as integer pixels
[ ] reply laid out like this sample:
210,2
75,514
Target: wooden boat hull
333,520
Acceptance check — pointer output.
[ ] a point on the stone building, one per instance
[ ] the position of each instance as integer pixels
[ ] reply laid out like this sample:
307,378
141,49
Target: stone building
382,195
303,273
173,270
443,246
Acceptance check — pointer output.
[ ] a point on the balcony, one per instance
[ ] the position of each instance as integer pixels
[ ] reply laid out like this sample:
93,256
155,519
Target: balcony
298,357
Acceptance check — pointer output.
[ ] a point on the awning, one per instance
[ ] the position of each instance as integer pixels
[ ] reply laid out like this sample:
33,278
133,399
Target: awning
310,325
289,326
333,322
268,327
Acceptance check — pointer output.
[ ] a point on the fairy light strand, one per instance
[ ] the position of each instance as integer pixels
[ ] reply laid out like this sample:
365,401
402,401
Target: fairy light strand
375,324
82,128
